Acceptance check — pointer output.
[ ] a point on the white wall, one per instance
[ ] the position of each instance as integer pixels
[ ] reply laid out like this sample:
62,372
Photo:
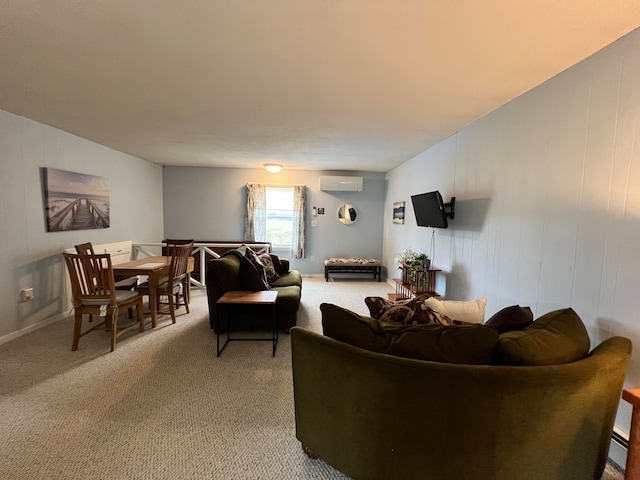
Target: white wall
548,201
210,203
29,255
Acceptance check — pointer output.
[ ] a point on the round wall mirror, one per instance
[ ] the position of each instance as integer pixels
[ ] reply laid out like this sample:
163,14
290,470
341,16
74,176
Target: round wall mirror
347,214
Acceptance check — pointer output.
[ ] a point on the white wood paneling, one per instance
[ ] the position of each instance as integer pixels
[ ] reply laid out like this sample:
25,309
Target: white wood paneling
559,171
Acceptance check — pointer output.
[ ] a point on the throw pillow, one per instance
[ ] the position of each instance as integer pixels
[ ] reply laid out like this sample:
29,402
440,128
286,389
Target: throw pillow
556,337
277,264
349,327
407,312
469,312
511,318
269,268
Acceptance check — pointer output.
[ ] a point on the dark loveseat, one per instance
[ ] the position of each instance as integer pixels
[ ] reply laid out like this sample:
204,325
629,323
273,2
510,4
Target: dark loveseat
539,407
233,271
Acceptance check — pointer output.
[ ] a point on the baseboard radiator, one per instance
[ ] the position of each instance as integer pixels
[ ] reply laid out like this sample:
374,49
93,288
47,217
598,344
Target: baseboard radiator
620,440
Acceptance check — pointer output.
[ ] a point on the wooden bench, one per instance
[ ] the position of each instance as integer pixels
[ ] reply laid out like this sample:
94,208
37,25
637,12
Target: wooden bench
352,265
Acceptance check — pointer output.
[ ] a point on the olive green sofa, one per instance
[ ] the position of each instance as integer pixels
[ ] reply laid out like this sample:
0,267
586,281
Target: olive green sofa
231,272
372,415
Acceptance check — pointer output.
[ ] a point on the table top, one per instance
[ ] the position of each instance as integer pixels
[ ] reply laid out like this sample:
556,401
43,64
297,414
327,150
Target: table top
148,264
264,297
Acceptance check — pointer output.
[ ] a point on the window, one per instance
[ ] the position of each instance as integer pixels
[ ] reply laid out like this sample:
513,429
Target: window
280,217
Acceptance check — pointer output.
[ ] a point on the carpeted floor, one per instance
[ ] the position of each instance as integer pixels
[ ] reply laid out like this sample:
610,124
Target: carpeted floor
162,406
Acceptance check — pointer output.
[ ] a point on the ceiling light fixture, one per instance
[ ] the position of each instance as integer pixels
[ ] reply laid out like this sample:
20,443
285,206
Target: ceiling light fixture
272,167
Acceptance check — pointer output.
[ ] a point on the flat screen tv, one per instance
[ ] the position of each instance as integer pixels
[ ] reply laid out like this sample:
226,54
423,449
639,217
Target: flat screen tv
430,210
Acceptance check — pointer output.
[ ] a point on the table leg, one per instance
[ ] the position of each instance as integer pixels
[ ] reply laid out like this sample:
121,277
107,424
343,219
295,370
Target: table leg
275,330
632,470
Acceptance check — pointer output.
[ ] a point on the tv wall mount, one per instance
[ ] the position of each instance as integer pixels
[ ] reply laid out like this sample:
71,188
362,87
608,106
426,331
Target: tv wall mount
451,206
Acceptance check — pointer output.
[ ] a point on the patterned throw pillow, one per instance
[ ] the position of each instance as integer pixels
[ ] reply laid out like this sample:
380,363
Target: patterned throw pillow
406,312
269,267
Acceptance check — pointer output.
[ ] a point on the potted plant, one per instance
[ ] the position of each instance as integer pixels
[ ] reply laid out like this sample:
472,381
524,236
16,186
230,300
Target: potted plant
418,272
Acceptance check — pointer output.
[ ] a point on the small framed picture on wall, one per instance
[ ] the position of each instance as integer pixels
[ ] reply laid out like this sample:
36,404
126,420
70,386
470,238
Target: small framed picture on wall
398,212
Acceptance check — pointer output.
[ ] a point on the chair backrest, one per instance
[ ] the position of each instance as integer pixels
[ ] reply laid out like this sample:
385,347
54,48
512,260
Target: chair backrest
169,243
91,278
179,261
85,249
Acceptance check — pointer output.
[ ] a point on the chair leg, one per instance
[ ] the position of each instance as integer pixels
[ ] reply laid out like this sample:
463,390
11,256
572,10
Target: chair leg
114,327
77,330
140,317
172,308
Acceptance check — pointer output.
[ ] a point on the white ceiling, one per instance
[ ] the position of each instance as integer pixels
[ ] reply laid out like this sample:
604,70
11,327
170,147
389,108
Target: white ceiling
312,84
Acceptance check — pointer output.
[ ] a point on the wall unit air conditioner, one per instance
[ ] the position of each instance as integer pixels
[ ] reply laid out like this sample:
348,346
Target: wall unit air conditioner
340,184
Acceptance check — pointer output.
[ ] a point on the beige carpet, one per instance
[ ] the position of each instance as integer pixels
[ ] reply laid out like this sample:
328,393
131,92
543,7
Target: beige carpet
162,406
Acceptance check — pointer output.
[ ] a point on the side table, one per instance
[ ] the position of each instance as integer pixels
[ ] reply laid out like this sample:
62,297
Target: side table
632,469
236,297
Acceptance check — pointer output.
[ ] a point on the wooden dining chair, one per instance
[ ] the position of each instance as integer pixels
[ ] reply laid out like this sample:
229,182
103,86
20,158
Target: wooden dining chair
173,287
122,283
167,249
94,293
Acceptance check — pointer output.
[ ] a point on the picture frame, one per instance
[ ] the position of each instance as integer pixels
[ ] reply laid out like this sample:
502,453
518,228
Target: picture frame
75,201
398,212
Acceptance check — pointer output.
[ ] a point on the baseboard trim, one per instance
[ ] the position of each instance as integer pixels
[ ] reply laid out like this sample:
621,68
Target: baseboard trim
36,326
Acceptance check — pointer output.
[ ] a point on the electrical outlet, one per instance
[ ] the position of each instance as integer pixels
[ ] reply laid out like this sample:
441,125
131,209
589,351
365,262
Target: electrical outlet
26,294
314,223
312,258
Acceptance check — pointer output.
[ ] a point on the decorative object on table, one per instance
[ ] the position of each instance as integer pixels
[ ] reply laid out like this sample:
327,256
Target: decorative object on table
347,214
75,201
406,256
398,212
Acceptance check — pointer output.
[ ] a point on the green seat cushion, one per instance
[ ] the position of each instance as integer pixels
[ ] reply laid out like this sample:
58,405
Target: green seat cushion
288,298
291,278
556,337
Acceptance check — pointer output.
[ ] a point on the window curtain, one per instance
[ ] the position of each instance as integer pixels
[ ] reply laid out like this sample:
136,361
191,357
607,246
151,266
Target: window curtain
255,225
299,221
255,222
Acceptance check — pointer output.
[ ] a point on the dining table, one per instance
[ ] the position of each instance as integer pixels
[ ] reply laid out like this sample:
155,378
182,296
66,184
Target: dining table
156,269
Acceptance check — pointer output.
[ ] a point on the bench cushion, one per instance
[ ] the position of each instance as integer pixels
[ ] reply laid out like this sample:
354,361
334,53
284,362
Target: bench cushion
352,262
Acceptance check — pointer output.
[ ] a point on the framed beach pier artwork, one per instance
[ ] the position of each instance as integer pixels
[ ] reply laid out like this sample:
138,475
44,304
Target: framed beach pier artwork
75,201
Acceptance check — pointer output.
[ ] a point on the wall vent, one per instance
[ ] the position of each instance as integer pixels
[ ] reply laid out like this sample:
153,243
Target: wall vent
340,184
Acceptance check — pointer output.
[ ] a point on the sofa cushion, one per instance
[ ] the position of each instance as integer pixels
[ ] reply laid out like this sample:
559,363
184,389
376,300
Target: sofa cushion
468,344
556,337
288,298
292,277
511,318
349,327
469,312
465,344
408,312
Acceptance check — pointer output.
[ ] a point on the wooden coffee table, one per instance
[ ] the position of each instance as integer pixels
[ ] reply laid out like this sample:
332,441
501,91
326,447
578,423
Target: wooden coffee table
236,297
